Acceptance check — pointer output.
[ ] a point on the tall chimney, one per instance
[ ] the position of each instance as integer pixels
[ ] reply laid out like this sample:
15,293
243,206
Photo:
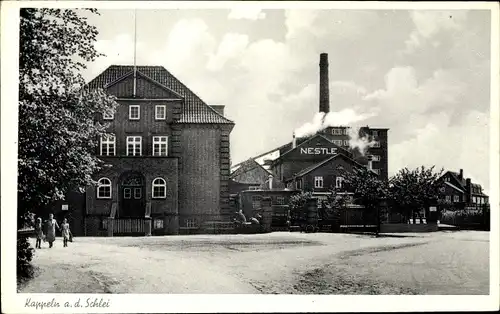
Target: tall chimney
324,90
294,141
461,174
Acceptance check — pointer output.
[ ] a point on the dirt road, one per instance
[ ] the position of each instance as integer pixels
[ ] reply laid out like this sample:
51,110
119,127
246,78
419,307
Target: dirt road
292,263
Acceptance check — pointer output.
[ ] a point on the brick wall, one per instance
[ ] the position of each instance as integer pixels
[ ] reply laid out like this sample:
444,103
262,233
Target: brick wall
200,170
150,168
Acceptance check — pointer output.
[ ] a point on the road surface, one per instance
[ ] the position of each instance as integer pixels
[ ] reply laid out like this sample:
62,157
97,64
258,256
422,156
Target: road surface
281,262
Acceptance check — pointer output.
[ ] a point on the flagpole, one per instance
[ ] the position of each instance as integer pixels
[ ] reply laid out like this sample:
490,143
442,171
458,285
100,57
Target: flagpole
135,52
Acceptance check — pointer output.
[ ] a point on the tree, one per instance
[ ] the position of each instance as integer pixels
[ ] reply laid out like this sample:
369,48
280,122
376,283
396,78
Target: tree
413,190
297,204
58,133
368,189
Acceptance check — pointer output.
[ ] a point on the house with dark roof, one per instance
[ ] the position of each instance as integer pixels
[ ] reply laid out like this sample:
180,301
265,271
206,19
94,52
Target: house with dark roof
461,191
249,175
166,155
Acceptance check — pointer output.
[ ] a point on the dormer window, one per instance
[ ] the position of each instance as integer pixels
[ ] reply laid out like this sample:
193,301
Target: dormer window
134,112
375,133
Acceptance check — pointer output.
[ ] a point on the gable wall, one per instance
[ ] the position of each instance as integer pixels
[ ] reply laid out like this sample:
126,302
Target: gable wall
329,172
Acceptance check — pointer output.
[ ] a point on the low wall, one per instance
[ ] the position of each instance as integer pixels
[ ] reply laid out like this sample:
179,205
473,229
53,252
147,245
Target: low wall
395,228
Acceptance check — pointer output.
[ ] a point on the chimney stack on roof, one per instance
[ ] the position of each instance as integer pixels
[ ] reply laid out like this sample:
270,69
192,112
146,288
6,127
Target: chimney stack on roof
461,174
324,90
270,182
294,141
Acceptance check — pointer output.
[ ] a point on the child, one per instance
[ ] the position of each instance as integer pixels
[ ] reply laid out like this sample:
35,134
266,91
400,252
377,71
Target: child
65,232
39,233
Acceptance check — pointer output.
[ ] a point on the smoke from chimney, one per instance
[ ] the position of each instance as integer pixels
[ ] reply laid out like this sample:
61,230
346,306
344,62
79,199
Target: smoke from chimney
324,90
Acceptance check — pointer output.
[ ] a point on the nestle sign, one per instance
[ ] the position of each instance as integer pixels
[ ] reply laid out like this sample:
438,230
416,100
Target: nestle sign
318,151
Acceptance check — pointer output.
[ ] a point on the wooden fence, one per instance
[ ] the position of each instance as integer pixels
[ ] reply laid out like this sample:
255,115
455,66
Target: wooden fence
129,226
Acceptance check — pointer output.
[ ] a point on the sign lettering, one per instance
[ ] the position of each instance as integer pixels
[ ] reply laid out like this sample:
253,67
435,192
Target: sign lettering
318,150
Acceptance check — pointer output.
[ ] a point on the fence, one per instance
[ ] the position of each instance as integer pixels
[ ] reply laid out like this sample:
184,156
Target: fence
475,217
127,226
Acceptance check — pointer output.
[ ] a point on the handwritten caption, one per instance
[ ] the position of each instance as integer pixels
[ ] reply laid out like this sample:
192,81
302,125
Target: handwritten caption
86,303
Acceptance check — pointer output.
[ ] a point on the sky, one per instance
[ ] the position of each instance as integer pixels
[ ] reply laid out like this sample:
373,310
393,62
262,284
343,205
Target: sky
424,74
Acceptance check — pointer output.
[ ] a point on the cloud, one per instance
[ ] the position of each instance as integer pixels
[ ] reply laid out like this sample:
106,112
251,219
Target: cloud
231,46
464,146
428,23
246,13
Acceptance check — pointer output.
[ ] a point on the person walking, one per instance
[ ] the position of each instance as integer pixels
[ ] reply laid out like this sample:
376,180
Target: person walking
66,233
51,230
38,233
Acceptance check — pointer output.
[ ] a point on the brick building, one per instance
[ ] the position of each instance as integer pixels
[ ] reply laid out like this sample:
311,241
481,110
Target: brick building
458,190
314,162
166,157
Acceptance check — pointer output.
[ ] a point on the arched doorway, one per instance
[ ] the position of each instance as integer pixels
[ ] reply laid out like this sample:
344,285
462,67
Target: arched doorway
132,195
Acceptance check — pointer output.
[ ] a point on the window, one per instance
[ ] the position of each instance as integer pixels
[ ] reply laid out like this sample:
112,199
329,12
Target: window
376,144
108,115
256,201
318,182
108,145
346,131
160,145
337,131
134,112
127,193
447,179
337,142
104,188
339,182
159,188
158,223
298,184
346,142
474,200
137,193
377,171
375,133
134,145
280,200
160,112
375,158
456,198
448,198
191,223
254,188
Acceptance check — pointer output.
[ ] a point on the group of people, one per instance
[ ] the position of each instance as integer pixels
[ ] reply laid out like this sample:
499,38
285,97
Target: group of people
50,231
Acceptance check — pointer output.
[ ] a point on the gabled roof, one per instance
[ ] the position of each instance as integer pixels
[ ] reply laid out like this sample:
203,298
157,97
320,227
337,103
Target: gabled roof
456,175
323,162
454,187
194,109
247,165
306,141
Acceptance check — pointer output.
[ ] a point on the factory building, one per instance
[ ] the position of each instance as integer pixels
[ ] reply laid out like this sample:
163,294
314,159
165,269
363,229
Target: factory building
316,162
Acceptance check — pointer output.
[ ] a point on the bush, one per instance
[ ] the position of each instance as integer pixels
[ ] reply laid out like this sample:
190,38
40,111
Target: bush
24,256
